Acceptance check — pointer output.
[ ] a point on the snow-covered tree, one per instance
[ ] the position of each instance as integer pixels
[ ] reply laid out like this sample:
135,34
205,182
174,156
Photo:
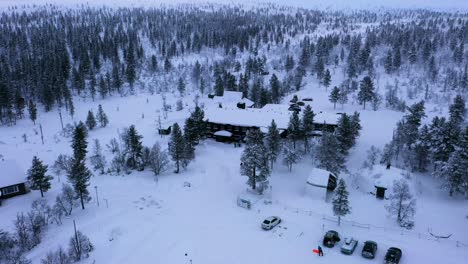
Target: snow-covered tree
294,128
290,155
102,117
176,146
272,143
454,173
373,156
328,155
90,120
32,109
37,176
97,159
133,148
340,201
66,200
307,126
334,96
402,204
457,111
254,159
79,246
159,159
79,174
366,92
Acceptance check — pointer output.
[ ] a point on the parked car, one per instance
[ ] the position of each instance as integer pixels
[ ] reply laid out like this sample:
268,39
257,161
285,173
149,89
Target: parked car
393,255
271,222
330,238
369,249
349,246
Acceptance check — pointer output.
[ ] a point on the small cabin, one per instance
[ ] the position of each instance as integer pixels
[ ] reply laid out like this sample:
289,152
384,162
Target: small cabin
383,178
164,131
12,179
321,183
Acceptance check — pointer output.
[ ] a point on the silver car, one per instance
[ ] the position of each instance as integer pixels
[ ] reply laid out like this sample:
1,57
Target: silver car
349,245
271,222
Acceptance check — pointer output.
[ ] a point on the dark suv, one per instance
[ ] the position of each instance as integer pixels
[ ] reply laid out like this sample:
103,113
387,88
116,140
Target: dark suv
369,249
393,256
330,238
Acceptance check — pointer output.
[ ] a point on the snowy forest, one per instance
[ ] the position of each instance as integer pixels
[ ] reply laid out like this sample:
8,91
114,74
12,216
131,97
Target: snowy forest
86,95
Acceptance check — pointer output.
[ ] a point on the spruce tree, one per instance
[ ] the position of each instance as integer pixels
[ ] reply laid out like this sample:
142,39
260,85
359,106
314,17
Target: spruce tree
457,111
272,143
294,128
366,92
307,126
219,86
345,134
334,96
340,201
290,155
328,155
32,109
176,146
254,159
326,79
79,174
133,149
275,89
90,120
102,117
37,178
181,86
454,173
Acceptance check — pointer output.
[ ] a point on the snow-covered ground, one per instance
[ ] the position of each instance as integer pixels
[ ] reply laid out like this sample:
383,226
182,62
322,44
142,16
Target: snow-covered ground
143,219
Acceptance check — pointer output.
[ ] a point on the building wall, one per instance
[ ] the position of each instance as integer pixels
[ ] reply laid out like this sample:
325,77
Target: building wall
22,189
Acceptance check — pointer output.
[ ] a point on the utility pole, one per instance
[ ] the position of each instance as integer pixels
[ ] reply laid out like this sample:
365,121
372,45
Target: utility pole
97,197
42,135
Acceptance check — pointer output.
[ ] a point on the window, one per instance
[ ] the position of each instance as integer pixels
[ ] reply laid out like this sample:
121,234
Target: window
10,190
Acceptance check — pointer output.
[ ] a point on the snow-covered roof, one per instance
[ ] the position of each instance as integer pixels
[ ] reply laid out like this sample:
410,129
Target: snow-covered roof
319,178
231,98
223,133
250,117
383,177
11,173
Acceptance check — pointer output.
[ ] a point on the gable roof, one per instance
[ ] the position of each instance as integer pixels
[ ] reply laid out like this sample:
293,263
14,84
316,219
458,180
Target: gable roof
319,178
11,173
231,98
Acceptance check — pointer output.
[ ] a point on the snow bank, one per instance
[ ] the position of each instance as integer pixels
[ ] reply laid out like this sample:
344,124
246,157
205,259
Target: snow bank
11,173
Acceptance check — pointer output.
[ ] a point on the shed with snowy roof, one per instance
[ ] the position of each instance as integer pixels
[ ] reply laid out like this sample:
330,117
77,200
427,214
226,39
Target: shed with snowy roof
12,179
321,183
383,177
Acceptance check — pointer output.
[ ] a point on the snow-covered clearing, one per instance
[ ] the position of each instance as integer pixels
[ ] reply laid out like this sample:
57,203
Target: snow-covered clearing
143,219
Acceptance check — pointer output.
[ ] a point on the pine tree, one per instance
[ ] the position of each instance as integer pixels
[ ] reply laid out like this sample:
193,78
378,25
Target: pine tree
167,65
328,155
366,92
275,89
90,120
37,178
412,122
402,204
272,143
97,159
102,117
340,201
307,126
32,109
457,111
219,87
79,174
133,148
388,63
345,134
254,159
334,96
294,128
454,173
181,86
326,79
176,146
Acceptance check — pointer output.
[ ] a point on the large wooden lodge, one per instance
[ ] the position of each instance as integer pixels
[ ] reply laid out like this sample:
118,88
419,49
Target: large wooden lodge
231,123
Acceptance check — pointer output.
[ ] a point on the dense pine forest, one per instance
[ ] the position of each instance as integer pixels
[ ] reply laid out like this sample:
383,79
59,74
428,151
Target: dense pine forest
50,55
